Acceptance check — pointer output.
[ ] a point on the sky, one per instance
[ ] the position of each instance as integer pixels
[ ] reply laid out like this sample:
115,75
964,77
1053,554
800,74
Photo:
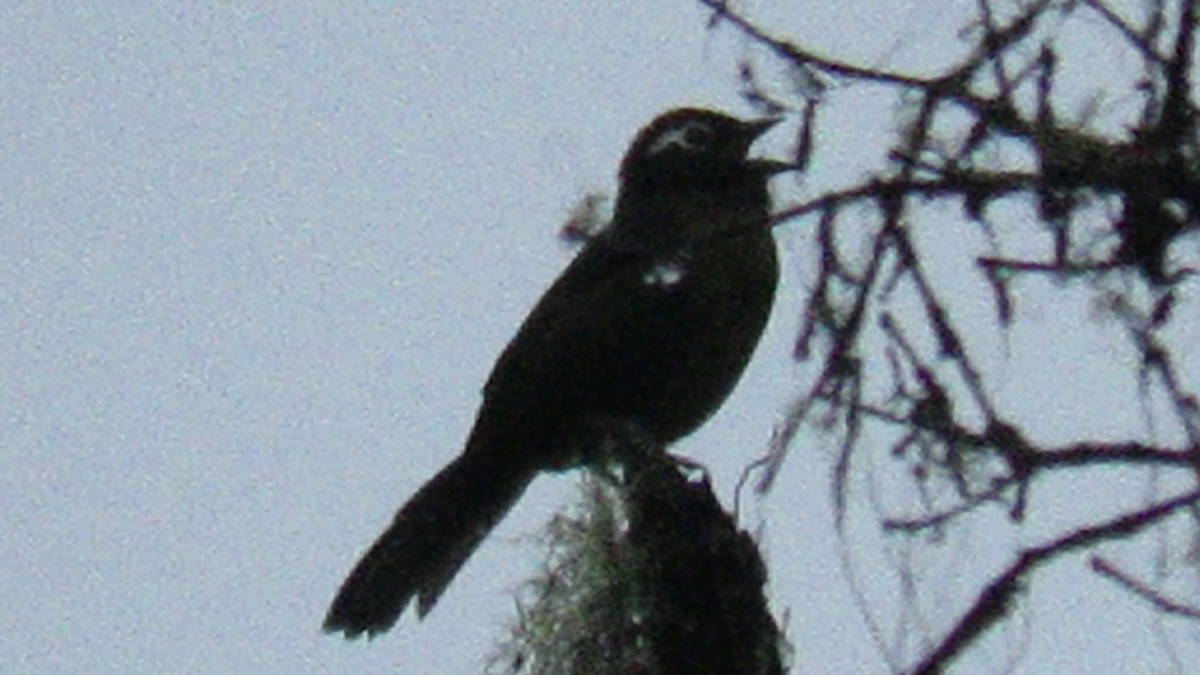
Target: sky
256,261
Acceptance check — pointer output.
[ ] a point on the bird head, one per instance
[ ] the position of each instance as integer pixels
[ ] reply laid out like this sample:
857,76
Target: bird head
693,141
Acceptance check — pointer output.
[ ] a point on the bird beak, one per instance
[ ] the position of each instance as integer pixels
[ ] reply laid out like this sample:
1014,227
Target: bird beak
752,130
771,166
755,128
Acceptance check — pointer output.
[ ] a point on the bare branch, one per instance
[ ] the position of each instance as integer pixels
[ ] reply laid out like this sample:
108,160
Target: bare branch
994,602
1107,569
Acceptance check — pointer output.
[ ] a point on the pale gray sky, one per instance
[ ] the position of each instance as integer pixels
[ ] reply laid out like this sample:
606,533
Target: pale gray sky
256,262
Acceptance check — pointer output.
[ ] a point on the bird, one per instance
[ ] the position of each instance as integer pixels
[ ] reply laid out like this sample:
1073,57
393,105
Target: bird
648,329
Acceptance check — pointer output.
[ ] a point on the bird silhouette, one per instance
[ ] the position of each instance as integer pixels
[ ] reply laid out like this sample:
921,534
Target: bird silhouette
648,328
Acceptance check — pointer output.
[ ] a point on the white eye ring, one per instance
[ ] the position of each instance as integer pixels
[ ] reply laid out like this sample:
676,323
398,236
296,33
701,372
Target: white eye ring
691,136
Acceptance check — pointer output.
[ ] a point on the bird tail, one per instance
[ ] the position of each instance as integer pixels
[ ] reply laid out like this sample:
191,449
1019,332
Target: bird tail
430,538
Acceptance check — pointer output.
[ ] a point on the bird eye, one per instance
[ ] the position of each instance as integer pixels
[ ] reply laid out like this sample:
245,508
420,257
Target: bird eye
697,135
693,136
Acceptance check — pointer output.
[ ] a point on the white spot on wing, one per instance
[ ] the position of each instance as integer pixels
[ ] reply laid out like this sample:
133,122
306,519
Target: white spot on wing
666,273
